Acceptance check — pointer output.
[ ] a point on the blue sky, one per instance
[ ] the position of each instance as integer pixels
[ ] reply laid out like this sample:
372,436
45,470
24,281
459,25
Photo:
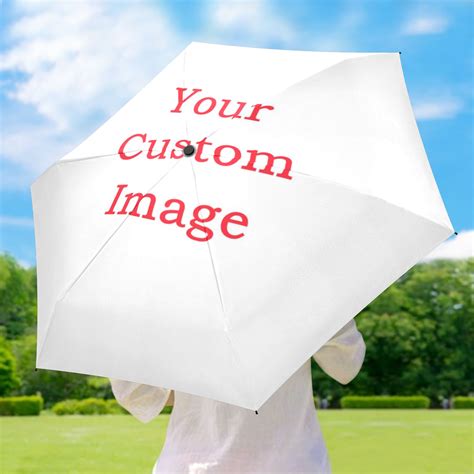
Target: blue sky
68,66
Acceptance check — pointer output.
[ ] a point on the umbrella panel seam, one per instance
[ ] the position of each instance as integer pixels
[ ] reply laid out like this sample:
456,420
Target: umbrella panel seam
355,190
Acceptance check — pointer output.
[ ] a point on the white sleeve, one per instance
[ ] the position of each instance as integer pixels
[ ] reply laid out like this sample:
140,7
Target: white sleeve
144,402
342,356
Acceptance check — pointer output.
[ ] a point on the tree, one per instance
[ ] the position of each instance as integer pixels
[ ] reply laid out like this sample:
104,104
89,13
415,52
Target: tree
441,297
17,297
8,377
53,385
419,335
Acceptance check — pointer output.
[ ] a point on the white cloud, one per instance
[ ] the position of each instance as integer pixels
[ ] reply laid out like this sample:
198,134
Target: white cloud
343,33
32,148
425,24
456,248
78,62
436,109
255,21
263,23
24,264
85,58
12,221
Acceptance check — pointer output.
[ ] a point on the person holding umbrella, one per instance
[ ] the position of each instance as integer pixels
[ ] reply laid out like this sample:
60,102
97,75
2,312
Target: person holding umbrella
193,244
205,435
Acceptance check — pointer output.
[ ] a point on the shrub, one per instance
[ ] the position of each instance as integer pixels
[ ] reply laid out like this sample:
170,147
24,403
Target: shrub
92,406
21,406
417,401
67,407
113,408
463,402
88,406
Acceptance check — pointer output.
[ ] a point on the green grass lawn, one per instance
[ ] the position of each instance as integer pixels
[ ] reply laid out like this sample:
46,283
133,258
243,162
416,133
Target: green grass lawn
359,441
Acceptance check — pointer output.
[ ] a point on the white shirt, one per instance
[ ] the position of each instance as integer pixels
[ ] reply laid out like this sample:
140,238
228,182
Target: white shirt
207,436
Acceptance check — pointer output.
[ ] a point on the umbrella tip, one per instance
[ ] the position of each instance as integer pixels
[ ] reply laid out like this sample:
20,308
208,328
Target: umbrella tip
399,52
256,412
36,370
455,233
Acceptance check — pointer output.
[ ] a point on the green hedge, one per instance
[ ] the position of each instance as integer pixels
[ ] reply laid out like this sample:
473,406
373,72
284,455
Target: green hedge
88,406
463,402
93,406
114,408
21,406
418,401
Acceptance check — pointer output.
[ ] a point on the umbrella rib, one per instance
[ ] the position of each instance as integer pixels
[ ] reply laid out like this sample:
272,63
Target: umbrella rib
210,254
221,299
84,158
97,253
353,189
227,327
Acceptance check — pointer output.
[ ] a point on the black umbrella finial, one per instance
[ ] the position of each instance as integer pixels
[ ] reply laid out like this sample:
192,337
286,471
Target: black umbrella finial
189,150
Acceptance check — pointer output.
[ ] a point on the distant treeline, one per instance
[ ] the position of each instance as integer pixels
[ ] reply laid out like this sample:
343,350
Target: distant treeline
419,335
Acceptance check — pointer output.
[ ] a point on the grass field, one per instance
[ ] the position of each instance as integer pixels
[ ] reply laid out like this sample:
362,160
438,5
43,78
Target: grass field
359,441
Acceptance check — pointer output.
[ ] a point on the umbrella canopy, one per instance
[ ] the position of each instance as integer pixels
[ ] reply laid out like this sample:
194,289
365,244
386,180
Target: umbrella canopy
231,218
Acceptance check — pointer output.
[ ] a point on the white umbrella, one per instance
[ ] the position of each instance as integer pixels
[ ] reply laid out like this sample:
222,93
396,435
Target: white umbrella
302,193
